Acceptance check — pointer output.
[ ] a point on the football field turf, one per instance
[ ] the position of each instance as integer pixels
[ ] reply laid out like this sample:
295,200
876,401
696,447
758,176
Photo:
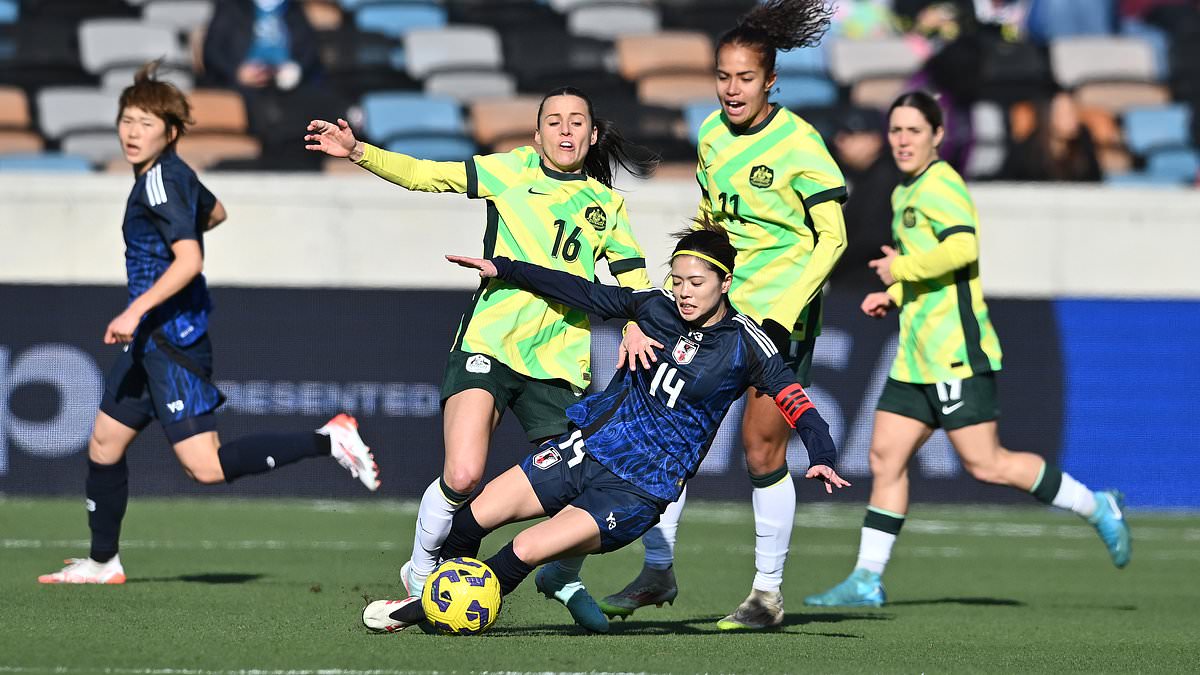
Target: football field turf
274,587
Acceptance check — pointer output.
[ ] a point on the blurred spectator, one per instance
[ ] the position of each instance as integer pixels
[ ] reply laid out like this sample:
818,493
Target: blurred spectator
863,20
1059,149
267,50
860,149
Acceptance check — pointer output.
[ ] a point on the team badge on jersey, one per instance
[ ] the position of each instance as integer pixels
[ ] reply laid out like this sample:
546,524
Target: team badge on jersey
910,217
596,218
762,176
478,363
685,350
546,458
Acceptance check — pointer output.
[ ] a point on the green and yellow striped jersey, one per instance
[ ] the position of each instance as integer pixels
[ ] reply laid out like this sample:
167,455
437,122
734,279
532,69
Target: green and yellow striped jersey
945,333
566,222
761,184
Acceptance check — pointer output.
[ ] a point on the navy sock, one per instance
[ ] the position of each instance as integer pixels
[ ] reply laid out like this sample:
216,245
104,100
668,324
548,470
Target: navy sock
263,452
107,490
509,569
465,536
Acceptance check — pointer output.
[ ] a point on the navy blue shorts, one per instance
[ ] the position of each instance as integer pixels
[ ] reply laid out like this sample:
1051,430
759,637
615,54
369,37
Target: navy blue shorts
155,379
561,473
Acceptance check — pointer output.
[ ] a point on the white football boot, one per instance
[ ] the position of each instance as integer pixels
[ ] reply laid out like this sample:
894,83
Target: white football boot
348,449
87,571
377,616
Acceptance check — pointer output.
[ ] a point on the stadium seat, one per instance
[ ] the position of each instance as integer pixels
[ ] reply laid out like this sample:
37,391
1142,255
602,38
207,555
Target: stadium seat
1120,96
1137,179
388,115
108,43
118,77
1081,60
1148,129
202,151
711,17
218,110
42,52
442,149
13,142
71,12
501,120
361,62
1181,165
1185,65
675,91
1049,20
452,48
1014,71
987,122
803,61
610,20
323,15
182,16
877,92
985,160
471,85
507,15
658,128
542,60
662,53
805,91
991,140
63,110
99,147
9,11
396,19
44,163
851,61
14,108
1158,41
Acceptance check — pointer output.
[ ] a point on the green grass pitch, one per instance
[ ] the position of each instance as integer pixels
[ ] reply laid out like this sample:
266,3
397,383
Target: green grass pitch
276,587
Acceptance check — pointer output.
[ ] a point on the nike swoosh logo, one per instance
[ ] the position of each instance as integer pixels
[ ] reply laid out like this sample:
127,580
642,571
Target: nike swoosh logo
533,192
1116,509
947,409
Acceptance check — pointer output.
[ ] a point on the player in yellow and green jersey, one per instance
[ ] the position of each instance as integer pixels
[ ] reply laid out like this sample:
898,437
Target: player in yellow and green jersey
945,369
767,178
552,205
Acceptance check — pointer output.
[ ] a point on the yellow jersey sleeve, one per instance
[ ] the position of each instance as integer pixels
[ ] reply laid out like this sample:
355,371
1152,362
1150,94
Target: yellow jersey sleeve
422,175
704,209
831,244
625,258
490,175
957,249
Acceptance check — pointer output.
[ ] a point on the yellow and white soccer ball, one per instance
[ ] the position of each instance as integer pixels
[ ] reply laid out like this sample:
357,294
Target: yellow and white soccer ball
461,597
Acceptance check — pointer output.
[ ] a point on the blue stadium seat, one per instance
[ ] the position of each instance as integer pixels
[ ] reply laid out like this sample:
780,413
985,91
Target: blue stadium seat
1156,38
1180,165
694,115
393,115
805,91
441,149
44,163
804,61
9,11
1052,19
1138,179
396,19
1147,129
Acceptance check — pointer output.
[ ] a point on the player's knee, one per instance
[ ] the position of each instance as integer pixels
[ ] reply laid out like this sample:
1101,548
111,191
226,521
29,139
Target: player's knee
463,479
764,454
103,449
205,473
990,470
526,549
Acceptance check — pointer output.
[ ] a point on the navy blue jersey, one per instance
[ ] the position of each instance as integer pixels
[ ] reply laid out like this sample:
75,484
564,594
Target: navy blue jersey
167,204
653,428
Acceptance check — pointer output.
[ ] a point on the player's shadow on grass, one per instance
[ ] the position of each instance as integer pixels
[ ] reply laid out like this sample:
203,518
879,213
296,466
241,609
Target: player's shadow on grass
975,602
218,578
698,625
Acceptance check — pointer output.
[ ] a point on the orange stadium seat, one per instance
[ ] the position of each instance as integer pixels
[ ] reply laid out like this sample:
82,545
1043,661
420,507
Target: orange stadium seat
14,108
218,110
504,121
202,151
20,142
667,52
675,91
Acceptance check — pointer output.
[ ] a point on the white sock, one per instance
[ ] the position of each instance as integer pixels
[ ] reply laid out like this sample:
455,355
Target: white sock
1075,496
434,518
660,540
774,515
874,550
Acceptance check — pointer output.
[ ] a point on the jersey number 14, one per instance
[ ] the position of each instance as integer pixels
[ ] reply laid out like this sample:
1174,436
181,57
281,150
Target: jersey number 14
672,385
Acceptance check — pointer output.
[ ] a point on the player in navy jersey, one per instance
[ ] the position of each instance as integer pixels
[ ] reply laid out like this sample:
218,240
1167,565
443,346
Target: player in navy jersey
632,447
165,369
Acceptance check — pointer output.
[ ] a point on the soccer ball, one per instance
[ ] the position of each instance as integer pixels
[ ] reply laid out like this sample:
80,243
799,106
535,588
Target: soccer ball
461,597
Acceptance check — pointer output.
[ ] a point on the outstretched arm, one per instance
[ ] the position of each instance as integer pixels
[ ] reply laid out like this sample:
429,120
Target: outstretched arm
337,140
608,302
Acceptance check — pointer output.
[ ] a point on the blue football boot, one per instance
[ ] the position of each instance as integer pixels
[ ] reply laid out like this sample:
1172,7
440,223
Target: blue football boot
1109,521
863,588
574,596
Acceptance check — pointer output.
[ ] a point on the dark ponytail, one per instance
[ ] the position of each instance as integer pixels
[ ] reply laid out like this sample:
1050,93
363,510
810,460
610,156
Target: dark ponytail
611,149
712,240
922,101
780,25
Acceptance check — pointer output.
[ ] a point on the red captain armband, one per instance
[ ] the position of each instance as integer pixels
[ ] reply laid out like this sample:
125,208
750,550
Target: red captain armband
793,403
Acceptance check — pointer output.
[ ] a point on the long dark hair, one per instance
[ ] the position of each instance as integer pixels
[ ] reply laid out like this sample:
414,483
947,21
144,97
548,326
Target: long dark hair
712,240
922,101
779,25
611,149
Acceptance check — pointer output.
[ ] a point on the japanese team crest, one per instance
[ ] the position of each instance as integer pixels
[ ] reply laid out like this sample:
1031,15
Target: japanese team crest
596,218
685,350
910,217
546,458
762,176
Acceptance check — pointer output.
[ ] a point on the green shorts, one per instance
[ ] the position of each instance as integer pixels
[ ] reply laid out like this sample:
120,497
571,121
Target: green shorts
798,356
540,405
950,405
